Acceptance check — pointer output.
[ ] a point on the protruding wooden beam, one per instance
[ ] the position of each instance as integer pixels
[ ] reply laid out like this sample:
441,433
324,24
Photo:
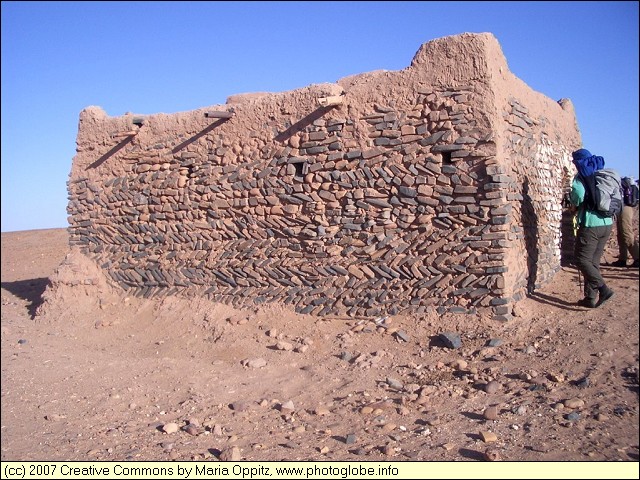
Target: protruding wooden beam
218,114
130,133
330,101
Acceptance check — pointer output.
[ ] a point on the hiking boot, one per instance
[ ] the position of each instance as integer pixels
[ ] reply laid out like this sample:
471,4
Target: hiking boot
587,302
619,263
605,294
635,264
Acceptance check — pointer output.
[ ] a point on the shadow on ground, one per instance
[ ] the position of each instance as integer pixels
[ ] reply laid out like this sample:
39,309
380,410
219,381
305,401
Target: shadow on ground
29,290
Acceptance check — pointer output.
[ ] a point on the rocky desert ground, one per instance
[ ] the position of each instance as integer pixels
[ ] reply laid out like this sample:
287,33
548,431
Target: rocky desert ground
119,378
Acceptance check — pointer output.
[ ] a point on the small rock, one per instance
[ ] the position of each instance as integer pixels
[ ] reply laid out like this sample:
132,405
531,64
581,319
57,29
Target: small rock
401,334
239,406
488,437
492,387
510,386
168,446
287,407
491,413
395,384
346,356
434,422
388,427
495,342
256,362
619,410
388,450
556,377
412,387
573,416
574,403
324,450
286,346
450,340
518,310
382,405
191,429
299,429
583,382
170,427
54,417
459,364
350,439
449,446
366,410
194,421
602,417
322,411
22,341
491,455
231,454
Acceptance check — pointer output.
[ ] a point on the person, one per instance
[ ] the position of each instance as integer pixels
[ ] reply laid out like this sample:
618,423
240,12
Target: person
627,240
594,229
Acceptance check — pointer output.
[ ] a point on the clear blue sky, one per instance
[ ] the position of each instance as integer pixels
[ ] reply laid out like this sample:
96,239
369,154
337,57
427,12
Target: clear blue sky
152,57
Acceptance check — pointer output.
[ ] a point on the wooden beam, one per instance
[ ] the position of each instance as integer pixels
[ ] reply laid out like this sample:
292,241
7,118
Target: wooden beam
218,114
130,133
330,101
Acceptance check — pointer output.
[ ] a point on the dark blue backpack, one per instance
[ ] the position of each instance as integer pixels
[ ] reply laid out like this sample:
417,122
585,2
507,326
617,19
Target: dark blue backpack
629,192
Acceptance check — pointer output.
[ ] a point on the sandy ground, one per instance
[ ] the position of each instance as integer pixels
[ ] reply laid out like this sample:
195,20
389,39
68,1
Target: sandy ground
185,379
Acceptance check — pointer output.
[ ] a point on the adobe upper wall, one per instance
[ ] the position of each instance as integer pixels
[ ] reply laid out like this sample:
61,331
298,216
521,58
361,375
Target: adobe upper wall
400,197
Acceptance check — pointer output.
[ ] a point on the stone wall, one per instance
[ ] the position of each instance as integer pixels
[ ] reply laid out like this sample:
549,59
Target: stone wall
431,187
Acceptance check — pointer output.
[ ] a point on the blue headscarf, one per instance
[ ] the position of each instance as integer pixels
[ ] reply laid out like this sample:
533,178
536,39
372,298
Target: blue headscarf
587,166
586,163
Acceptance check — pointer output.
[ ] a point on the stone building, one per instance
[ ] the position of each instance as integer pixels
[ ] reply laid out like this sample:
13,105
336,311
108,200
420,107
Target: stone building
435,187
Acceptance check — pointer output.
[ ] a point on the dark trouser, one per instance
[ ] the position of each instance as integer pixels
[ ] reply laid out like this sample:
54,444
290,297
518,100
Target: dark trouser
590,244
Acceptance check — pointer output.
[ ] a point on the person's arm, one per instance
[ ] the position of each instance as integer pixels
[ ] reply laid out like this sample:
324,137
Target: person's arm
577,192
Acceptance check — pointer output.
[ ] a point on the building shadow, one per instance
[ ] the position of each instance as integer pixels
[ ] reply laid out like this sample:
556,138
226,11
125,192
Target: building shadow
567,232
567,239
302,123
111,152
29,290
530,225
554,301
198,135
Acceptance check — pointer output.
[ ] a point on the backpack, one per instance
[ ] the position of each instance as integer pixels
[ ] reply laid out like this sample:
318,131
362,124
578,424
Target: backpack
602,192
608,192
629,192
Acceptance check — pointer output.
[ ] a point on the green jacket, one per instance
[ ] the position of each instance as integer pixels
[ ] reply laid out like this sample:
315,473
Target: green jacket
586,218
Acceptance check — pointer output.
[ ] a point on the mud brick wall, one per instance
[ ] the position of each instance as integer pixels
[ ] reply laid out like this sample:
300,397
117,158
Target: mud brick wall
438,186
